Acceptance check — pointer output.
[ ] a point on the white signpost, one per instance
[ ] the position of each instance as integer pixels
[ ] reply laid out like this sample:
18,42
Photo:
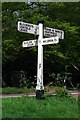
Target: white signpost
38,30
30,43
44,41
52,40
34,29
28,28
53,32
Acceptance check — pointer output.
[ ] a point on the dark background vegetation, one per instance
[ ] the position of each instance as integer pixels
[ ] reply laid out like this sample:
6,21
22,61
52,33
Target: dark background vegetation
19,65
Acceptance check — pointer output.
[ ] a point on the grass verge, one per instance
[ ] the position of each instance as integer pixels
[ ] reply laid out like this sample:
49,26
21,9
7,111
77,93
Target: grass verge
9,90
30,107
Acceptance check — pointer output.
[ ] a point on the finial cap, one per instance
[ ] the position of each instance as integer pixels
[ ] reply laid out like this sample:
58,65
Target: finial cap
40,21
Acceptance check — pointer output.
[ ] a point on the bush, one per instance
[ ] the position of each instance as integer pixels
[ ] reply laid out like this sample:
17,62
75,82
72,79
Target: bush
24,83
61,93
57,79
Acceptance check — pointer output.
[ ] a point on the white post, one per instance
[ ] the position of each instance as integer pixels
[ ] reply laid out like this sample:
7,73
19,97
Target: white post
40,87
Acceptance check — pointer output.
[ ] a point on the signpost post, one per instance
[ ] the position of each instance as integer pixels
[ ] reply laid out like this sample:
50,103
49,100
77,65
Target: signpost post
40,87
54,39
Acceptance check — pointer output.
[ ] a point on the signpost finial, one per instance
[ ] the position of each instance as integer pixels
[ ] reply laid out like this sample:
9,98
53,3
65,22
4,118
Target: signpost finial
40,21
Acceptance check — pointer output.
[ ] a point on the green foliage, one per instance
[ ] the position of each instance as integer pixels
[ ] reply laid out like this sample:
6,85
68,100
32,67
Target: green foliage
24,83
60,92
64,16
57,79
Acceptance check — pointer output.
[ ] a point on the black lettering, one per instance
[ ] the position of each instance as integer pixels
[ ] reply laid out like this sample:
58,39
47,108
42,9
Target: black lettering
55,39
52,33
30,25
48,29
50,40
26,25
20,23
31,44
47,34
25,42
23,29
52,30
35,31
28,44
58,31
39,65
36,42
44,41
30,41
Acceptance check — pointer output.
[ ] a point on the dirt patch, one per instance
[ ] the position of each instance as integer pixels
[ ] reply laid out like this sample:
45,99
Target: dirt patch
50,89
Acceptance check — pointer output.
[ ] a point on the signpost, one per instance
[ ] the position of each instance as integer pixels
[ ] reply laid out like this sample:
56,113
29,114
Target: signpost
44,41
38,30
53,32
52,40
28,28
30,43
34,29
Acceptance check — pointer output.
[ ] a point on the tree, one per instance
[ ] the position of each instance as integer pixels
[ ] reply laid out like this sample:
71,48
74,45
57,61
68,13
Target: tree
64,16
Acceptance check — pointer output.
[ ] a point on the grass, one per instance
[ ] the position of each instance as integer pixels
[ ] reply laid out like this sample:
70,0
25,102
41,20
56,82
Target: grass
30,107
9,90
0,90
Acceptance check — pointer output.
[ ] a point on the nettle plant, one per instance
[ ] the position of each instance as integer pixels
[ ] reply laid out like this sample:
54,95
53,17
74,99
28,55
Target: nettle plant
57,79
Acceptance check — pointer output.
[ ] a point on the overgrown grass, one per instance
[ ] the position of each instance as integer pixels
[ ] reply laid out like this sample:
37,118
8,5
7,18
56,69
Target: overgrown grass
17,90
8,90
30,107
